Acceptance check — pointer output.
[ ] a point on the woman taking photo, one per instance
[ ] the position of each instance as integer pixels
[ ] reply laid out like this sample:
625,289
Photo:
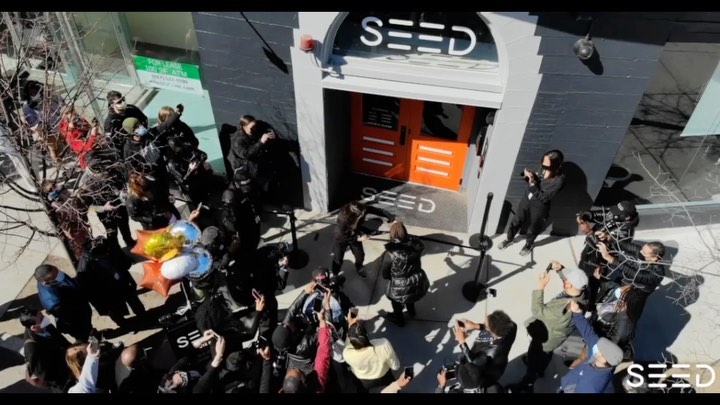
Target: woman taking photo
83,360
407,281
349,233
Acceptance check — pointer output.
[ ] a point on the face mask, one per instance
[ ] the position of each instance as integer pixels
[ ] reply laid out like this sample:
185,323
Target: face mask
45,322
60,277
37,97
641,257
141,131
618,293
594,351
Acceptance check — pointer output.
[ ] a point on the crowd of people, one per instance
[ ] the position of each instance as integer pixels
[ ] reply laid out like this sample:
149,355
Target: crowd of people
320,345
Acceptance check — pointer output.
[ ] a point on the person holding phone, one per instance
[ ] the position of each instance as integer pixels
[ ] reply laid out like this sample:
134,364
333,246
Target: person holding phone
371,361
551,322
401,382
83,360
491,347
534,206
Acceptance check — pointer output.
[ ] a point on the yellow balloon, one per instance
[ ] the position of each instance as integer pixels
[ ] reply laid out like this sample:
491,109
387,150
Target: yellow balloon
163,246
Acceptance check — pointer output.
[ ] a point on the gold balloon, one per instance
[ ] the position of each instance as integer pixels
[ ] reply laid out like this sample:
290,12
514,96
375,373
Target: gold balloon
163,246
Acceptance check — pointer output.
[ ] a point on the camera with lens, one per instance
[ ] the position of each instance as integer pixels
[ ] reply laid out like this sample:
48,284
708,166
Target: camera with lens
450,369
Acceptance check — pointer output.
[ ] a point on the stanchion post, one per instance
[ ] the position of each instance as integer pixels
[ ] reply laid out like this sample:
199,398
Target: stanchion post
472,290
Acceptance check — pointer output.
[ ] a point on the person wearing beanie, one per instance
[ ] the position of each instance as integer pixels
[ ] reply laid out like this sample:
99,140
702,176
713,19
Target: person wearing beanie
594,375
551,322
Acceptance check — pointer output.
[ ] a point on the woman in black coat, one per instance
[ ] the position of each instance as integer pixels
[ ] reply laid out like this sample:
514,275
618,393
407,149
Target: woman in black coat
407,281
350,233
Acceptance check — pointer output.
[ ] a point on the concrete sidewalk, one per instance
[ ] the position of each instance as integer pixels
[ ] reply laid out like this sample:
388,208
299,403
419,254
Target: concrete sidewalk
686,328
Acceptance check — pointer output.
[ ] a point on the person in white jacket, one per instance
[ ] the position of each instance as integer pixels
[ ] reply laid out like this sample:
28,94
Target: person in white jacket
83,360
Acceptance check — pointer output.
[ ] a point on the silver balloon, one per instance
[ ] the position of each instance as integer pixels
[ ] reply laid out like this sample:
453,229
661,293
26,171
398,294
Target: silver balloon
204,267
188,230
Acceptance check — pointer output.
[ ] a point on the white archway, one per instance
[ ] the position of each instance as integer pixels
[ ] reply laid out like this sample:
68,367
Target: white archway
513,94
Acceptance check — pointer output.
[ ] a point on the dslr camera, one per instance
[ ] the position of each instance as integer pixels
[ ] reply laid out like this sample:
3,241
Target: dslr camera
450,369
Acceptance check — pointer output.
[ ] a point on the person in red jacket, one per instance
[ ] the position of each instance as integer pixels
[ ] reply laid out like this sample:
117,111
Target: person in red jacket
297,382
77,133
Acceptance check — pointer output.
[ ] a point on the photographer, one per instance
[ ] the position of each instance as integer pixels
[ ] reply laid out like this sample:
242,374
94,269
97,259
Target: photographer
189,168
492,345
594,375
551,322
251,152
534,207
118,111
640,266
184,378
302,308
468,377
616,223
371,361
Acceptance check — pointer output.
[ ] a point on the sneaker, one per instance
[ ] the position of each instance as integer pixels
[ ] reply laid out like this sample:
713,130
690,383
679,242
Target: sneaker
526,249
361,272
504,244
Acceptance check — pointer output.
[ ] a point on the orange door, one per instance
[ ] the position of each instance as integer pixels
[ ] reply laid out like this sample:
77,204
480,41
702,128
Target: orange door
379,135
438,142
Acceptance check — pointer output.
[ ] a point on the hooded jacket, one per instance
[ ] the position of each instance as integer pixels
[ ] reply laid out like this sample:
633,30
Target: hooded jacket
407,281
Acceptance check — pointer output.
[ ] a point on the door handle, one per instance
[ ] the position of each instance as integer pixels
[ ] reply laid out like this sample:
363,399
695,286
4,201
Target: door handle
403,132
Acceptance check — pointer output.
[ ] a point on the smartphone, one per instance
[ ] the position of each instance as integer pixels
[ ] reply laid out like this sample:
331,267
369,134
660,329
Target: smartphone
94,343
317,305
449,374
256,294
354,312
262,342
409,372
549,267
461,324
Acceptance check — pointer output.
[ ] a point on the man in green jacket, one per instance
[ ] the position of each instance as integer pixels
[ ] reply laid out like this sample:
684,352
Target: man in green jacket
551,322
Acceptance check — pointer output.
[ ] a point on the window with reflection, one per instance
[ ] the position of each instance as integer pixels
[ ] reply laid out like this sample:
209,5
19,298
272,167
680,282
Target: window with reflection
436,39
441,120
671,151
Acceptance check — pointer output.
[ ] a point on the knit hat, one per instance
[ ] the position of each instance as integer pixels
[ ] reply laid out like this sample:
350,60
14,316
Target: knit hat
129,125
610,351
576,277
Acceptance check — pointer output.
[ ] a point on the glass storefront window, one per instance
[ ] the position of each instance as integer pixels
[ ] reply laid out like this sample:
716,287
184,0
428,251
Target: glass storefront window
101,47
168,36
441,120
433,39
657,149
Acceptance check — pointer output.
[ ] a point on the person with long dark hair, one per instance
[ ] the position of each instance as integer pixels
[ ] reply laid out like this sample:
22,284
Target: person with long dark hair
534,206
349,233
407,281
616,316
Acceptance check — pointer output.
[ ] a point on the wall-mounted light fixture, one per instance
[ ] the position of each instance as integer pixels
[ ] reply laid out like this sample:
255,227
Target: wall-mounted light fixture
307,43
584,48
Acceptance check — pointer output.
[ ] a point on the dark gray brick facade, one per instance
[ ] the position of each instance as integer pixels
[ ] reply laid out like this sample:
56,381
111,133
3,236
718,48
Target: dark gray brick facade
584,109
249,72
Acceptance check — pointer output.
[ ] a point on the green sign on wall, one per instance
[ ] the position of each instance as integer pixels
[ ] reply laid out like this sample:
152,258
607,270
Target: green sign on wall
168,75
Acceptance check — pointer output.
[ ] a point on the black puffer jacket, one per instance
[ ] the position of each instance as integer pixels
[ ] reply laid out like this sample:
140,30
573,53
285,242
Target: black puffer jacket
407,281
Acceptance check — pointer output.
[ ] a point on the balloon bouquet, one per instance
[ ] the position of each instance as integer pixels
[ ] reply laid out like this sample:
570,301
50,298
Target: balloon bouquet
173,254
